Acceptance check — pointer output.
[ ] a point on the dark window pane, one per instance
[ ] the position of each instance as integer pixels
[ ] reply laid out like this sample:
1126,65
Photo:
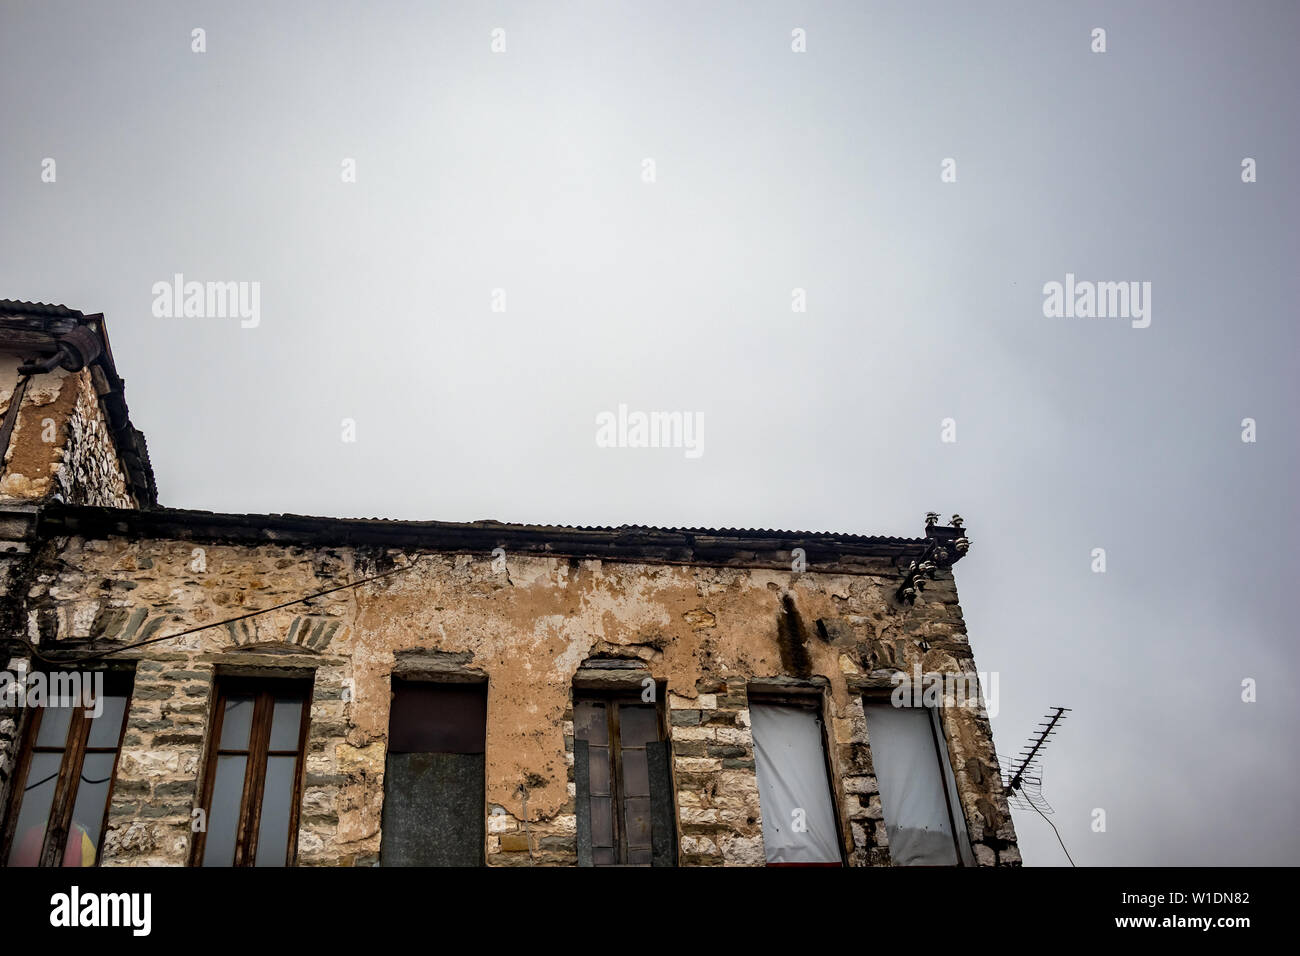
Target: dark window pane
286,722
602,822
636,776
438,718
223,818
35,812
640,856
53,731
637,723
106,729
88,810
598,768
277,802
236,723
591,724
638,821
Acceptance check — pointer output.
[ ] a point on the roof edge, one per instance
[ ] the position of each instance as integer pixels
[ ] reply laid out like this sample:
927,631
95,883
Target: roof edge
823,551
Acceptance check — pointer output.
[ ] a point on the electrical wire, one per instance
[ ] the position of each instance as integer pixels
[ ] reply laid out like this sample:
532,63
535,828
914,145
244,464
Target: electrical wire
203,627
1054,830
84,779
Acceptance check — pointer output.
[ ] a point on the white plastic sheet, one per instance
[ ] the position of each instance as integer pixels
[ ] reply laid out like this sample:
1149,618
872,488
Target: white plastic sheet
799,823
912,773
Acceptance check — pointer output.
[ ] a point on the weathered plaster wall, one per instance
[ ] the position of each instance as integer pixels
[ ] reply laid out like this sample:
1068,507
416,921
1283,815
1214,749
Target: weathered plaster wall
705,632
60,444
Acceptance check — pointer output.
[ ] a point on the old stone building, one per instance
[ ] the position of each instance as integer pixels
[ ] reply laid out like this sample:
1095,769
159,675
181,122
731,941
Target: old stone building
272,689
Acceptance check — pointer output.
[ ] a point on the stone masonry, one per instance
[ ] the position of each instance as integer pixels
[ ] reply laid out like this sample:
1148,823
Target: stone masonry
706,633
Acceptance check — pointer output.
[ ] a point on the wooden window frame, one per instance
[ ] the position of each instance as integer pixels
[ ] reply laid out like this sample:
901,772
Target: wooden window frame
74,750
612,697
265,692
811,698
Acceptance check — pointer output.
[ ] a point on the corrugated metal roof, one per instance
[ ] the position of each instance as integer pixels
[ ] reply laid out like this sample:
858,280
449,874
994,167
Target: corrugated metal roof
16,307
490,523
730,532
761,547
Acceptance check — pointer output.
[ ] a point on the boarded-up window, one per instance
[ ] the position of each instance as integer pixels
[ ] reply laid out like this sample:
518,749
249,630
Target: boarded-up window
253,784
64,777
623,783
434,787
923,817
799,821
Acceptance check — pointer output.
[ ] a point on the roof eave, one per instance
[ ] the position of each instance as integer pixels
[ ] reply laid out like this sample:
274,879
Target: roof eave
735,547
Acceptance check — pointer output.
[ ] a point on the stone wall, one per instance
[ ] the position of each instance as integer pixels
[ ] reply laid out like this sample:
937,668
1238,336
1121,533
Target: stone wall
60,446
717,792
9,717
526,625
17,529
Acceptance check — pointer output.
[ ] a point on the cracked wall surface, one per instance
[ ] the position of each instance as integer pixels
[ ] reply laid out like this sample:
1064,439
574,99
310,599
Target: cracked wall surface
706,634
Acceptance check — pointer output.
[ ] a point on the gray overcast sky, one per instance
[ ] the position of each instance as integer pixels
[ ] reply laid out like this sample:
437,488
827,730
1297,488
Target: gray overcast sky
775,170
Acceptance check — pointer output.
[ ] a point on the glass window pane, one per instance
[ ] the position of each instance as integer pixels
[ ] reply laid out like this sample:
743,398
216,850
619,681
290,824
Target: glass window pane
590,723
636,775
602,822
223,819
29,835
106,729
88,810
53,731
277,802
236,723
598,765
286,721
433,718
638,821
637,724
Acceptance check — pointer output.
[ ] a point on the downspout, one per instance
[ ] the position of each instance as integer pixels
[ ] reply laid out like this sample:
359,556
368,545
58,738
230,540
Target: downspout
11,418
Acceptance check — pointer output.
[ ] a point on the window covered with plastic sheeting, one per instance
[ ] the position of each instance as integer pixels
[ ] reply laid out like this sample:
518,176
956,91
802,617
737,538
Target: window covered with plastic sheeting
800,826
918,794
